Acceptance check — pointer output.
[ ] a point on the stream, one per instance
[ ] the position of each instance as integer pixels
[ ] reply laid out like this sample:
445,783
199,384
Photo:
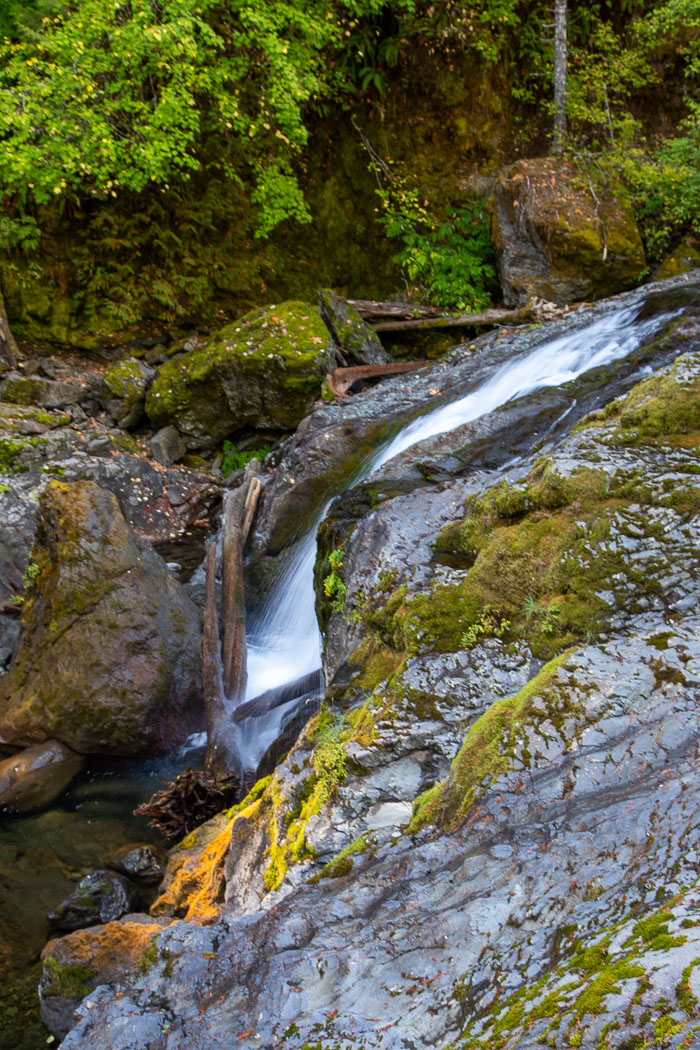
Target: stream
41,855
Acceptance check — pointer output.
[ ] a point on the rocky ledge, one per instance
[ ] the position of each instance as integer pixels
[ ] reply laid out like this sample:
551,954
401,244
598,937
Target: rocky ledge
488,836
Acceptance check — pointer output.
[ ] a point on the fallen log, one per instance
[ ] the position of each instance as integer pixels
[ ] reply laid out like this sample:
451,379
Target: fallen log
519,316
341,379
233,594
375,311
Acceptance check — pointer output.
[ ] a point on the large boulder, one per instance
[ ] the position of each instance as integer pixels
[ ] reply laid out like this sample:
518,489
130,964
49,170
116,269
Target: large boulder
264,370
561,235
35,777
109,656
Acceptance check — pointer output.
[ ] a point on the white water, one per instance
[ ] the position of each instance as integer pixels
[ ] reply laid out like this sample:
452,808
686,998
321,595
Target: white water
286,642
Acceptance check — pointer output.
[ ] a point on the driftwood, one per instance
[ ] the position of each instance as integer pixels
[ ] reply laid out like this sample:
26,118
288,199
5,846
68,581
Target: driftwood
186,802
233,596
341,379
224,658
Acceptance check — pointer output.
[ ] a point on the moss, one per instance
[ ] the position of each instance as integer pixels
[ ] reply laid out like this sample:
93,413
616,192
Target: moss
663,409
490,747
150,956
67,981
22,390
256,792
343,862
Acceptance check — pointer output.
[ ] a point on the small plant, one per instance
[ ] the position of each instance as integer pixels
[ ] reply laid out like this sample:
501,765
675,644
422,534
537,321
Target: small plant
16,599
329,756
488,623
334,586
234,459
30,574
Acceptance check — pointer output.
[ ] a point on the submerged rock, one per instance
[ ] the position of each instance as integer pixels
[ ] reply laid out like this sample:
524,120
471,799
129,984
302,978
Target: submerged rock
109,656
264,371
562,235
35,777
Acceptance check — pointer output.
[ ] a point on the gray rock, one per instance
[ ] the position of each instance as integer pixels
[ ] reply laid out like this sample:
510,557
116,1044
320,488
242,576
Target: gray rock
166,446
123,391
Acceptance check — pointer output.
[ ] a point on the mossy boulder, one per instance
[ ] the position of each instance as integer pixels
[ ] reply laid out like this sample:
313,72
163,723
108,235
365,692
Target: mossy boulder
684,259
562,234
73,965
355,337
264,370
109,659
123,391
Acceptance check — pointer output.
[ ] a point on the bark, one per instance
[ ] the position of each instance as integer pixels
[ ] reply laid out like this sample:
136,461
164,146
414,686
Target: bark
8,347
233,595
214,700
341,379
560,60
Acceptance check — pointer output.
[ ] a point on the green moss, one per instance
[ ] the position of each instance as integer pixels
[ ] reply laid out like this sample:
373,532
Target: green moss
22,390
343,862
150,956
256,792
68,982
490,747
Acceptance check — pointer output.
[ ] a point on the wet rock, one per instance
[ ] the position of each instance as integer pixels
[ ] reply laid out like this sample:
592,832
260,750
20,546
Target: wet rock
123,391
138,862
166,446
571,881
563,236
264,371
100,897
109,657
37,776
355,337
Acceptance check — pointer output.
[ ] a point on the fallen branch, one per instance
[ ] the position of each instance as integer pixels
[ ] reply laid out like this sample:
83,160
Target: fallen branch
341,379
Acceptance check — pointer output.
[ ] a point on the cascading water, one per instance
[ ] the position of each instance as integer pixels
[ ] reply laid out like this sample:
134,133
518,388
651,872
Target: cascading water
285,642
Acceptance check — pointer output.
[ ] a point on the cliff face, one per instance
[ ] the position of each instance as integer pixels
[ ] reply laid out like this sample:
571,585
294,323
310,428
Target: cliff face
489,835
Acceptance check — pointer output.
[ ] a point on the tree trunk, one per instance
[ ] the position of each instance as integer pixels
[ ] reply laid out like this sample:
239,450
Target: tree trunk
560,58
8,347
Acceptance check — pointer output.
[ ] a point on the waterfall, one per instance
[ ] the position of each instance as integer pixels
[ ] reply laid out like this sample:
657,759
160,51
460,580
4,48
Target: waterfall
285,642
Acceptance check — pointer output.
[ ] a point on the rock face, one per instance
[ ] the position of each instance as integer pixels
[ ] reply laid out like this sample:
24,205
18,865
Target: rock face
563,236
109,657
264,370
488,836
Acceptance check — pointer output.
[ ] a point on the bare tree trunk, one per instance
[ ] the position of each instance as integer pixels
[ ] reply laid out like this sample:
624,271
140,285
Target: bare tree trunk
560,59
233,595
8,347
214,699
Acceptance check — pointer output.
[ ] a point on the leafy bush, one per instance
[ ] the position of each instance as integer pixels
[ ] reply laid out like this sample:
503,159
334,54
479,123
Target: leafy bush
450,262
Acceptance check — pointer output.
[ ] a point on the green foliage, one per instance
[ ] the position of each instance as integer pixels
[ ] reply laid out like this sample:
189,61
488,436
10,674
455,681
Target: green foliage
450,263
488,623
107,98
235,459
334,586
328,755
